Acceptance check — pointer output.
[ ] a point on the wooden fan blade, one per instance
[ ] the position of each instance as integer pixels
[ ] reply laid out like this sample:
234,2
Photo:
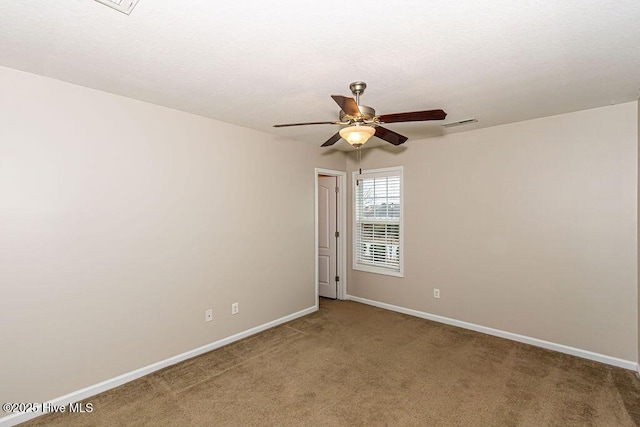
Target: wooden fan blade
348,105
332,140
307,123
414,116
390,136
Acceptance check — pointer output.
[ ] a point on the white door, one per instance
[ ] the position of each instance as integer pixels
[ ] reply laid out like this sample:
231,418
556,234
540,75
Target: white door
327,247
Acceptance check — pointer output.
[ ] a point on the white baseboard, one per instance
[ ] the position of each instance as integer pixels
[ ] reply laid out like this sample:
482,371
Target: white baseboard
92,390
585,354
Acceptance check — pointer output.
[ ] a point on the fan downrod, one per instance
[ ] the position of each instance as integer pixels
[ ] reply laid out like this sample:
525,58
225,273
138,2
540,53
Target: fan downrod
357,88
366,113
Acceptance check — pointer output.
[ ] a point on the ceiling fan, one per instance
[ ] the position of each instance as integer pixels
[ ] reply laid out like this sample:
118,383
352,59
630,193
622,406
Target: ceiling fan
362,123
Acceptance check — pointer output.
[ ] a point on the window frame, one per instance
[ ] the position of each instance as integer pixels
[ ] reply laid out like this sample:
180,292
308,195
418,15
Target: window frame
370,174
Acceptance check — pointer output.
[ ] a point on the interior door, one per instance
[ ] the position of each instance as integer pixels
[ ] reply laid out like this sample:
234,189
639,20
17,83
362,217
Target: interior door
327,247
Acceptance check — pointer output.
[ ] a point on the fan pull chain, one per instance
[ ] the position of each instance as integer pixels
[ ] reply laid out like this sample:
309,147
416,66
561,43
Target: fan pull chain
359,159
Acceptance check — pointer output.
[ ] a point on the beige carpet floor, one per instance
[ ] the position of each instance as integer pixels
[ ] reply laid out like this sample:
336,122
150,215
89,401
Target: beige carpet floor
354,365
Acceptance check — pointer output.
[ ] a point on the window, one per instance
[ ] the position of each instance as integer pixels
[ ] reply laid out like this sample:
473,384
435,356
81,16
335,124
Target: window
377,221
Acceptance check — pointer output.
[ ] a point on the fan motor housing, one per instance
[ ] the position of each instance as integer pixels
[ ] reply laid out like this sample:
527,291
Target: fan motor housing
366,113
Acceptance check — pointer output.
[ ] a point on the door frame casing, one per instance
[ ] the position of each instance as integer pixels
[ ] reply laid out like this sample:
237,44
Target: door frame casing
341,223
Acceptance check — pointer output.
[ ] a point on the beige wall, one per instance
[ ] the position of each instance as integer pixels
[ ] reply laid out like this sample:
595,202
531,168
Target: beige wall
529,228
121,222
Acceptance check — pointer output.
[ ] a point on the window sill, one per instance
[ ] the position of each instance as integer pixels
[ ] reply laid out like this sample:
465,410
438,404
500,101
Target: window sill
378,270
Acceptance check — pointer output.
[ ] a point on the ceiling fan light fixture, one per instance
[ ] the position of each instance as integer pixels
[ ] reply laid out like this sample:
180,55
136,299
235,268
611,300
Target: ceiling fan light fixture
362,122
357,135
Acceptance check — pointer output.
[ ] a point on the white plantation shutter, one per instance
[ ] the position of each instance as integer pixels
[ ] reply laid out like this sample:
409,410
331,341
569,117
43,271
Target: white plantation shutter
378,221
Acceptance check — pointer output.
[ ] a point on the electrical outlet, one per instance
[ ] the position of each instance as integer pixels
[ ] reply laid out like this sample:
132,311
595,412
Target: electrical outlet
436,293
208,315
234,308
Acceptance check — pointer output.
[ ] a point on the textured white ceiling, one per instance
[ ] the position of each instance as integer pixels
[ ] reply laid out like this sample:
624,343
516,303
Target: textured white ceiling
256,63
